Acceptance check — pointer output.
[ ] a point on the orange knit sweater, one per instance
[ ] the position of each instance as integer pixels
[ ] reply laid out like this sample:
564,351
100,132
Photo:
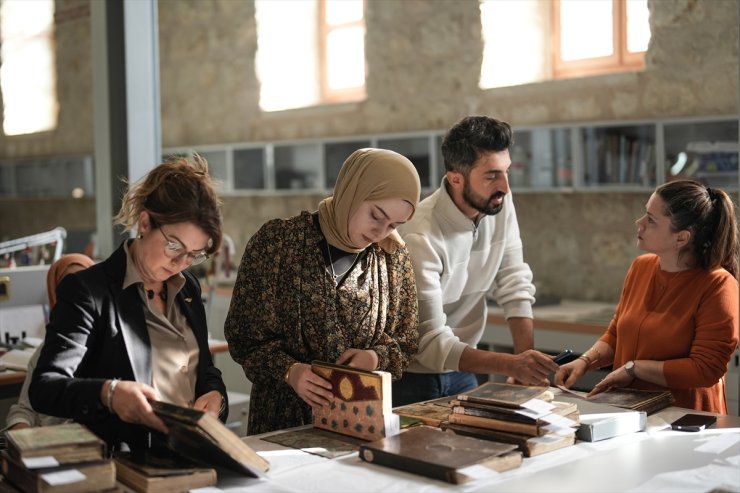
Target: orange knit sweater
687,319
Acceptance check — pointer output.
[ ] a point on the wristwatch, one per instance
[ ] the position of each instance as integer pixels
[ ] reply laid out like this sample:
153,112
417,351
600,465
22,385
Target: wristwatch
629,367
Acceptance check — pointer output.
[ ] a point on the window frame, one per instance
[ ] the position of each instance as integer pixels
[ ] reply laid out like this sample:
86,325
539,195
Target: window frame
326,94
622,60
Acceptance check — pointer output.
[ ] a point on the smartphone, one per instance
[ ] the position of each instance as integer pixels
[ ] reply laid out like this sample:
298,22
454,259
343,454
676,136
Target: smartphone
564,355
693,422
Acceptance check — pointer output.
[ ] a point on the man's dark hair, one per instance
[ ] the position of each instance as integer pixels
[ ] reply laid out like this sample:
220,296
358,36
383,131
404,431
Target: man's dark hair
471,137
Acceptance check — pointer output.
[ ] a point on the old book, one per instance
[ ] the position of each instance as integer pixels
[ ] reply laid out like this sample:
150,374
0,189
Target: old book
649,401
64,444
200,436
69,478
529,446
432,412
441,455
361,406
505,395
530,429
559,408
149,471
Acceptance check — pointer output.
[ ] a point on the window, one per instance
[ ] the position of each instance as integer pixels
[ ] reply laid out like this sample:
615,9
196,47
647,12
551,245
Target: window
322,60
27,74
599,36
535,40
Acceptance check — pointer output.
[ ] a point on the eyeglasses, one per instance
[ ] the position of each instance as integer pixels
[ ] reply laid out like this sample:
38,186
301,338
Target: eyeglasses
176,250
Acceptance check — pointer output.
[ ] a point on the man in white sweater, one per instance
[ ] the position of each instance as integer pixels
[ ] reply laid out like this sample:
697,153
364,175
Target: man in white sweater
464,243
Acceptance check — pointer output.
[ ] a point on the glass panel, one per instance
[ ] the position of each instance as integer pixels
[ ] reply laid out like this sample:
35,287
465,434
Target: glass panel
416,149
343,11
249,169
28,74
297,166
216,165
345,54
441,171
516,47
706,151
334,156
287,66
638,26
586,29
623,155
541,158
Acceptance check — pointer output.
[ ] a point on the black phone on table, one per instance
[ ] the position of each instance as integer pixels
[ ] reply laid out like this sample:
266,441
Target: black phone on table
693,422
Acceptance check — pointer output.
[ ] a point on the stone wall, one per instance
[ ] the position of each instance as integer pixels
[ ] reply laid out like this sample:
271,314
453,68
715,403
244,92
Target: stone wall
423,61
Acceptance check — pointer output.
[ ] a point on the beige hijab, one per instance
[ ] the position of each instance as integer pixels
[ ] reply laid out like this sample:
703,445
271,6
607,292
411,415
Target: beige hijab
367,174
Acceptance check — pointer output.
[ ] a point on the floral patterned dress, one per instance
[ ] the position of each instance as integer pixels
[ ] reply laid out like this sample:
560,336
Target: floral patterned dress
286,309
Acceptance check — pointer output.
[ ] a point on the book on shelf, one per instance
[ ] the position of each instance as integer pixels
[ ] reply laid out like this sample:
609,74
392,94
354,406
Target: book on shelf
433,412
68,478
442,455
361,405
149,471
529,446
58,444
201,437
505,395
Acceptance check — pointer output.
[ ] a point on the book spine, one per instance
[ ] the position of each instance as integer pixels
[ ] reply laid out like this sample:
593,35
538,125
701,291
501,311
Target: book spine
495,424
484,413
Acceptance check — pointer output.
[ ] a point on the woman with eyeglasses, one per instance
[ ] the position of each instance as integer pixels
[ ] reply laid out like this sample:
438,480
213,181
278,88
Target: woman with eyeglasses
132,328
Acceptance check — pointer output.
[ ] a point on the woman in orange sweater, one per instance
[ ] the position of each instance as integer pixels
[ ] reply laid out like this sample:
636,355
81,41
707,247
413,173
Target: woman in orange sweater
676,324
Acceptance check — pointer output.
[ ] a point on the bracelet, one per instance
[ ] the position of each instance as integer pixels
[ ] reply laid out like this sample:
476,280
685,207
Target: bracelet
287,372
111,389
223,405
587,359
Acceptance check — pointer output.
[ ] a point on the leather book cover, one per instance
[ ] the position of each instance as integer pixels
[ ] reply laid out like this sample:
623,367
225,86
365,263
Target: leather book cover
649,401
438,454
89,476
67,443
200,436
530,446
432,412
529,429
504,394
149,471
361,406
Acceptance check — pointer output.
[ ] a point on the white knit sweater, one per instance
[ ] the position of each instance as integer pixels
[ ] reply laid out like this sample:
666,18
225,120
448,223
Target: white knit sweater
456,265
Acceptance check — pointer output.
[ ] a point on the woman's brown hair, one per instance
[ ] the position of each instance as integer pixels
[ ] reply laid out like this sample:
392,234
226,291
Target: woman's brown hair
176,191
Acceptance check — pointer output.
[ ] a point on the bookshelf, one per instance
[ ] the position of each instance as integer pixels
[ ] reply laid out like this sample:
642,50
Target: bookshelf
589,156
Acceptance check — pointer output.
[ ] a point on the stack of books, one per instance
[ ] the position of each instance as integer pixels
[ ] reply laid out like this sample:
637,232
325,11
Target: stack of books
526,416
65,458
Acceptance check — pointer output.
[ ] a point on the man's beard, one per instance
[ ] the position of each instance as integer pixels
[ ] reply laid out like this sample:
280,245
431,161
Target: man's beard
483,206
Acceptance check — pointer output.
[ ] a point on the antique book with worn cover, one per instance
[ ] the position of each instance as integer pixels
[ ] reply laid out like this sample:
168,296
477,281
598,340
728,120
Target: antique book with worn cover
530,446
505,395
649,401
200,436
361,406
532,429
441,455
82,477
66,443
148,471
433,412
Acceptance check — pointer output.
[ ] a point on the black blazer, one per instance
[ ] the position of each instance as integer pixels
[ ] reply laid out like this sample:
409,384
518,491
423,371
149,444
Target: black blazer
96,332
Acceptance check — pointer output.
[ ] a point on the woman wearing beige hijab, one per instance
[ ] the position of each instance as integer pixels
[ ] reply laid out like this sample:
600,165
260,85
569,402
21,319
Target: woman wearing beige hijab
333,285
21,414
